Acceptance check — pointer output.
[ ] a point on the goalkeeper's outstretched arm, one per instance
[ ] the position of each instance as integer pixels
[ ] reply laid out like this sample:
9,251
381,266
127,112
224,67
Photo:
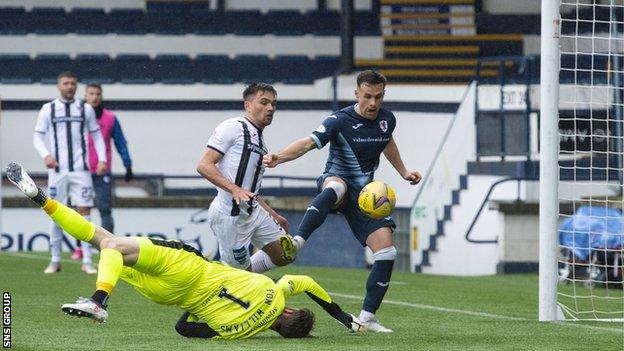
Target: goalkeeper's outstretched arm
189,326
296,284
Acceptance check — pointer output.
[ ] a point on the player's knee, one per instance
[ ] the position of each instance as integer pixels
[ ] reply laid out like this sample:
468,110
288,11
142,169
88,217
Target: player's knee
339,188
386,254
111,243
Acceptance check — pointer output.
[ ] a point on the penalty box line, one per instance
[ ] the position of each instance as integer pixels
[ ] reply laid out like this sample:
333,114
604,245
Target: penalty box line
475,313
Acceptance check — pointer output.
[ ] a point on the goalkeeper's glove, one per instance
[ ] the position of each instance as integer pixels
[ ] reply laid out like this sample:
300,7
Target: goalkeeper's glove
129,176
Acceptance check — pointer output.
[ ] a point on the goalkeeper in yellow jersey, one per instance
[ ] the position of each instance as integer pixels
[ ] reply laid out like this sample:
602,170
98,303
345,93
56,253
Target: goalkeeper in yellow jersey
220,301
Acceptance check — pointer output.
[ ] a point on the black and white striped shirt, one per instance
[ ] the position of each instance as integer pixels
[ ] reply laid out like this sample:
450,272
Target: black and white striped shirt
67,124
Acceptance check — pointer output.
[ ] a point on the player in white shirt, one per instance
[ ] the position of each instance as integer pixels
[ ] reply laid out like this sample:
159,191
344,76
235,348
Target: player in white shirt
67,122
238,215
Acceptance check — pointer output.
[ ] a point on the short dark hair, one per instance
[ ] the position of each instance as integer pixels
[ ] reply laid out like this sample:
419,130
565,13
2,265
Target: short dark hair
67,74
94,85
296,325
371,77
253,88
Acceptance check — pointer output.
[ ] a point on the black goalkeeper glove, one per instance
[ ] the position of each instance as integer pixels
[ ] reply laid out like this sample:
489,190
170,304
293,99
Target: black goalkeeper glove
129,176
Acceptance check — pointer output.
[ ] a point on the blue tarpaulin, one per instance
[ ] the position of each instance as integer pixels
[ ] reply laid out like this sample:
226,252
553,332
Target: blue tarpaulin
592,228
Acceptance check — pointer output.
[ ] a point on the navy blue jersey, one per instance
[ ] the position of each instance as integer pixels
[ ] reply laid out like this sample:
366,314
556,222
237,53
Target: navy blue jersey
355,142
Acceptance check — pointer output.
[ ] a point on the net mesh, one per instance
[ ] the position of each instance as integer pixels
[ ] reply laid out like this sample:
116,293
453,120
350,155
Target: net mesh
591,230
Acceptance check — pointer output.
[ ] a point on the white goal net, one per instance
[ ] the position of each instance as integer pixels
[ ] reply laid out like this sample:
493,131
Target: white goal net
590,161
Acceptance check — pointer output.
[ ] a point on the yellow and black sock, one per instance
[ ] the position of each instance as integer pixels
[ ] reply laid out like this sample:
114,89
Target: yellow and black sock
109,270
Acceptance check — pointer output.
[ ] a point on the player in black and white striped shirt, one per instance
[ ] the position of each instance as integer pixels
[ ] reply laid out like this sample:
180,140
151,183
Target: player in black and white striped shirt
67,122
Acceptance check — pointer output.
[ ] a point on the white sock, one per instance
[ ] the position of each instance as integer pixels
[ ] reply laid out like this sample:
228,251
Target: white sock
366,316
299,241
86,247
261,262
56,240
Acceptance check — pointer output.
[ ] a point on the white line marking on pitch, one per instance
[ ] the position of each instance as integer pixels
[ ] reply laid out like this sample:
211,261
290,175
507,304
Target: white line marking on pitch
474,313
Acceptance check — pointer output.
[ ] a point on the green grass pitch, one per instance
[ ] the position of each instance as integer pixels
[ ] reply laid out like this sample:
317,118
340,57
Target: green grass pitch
426,313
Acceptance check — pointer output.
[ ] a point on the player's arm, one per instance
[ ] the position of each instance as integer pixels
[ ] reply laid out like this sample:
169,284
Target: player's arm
279,219
295,284
41,129
122,148
291,152
394,157
207,167
189,326
98,139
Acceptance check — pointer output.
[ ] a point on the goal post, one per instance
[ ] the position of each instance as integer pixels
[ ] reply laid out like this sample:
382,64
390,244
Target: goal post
581,226
549,152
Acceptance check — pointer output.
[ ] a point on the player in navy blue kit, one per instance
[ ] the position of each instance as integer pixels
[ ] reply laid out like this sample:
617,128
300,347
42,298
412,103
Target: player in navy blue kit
358,135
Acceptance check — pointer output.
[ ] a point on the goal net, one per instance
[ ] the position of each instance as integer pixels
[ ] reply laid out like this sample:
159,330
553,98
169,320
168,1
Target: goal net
590,224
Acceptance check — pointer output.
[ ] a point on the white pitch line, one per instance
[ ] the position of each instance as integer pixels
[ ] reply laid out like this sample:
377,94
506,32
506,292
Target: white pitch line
36,257
474,313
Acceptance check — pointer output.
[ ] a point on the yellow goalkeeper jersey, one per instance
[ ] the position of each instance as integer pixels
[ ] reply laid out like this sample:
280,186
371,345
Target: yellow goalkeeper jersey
233,302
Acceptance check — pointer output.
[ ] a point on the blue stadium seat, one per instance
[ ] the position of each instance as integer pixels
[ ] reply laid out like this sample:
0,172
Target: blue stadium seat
135,69
16,67
128,21
208,23
47,20
366,23
13,21
177,6
325,66
215,69
175,69
95,68
292,68
88,21
246,22
286,22
323,22
250,68
169,23
48,66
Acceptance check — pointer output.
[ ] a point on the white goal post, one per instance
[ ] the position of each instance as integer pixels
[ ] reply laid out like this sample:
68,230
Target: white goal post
581,161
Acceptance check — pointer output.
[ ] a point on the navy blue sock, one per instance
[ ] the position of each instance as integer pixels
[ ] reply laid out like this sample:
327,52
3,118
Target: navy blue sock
377,284
317,212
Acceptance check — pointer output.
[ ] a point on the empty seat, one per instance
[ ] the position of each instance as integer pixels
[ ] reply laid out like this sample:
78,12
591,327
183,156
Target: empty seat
18,66
291,67
135,69
13,20
323,22
175,69
215,68
325,66
128,21
286,22
95,68
88,21
249,68
48,66
47,20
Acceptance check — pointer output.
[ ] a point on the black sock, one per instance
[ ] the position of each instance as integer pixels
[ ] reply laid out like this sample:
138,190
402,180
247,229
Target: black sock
377,284
40,198
317,212
77,243
100,296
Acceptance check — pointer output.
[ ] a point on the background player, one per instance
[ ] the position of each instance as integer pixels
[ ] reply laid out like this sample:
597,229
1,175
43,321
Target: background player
103,183
233,163
358,135
67,122
220,301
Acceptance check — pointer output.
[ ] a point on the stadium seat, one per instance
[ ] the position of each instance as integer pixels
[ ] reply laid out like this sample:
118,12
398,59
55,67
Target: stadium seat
88,21
46,67
215,69
250,68
292,68
128,21
95,68
323,23
286,22
135,69
325,66
47,20
175,69
16,67
13,21
246,22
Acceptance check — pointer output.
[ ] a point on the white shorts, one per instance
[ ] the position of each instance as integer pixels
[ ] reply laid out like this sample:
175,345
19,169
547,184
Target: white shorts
78,186
234,233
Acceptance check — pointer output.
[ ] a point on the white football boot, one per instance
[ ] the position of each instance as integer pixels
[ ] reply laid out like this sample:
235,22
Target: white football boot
86,308
374,326
21,179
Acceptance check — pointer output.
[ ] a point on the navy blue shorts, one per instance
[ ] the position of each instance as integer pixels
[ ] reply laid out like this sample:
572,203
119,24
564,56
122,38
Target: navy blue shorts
361,225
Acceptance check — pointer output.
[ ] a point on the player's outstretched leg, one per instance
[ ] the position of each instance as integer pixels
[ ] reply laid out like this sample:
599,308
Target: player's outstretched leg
69,220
